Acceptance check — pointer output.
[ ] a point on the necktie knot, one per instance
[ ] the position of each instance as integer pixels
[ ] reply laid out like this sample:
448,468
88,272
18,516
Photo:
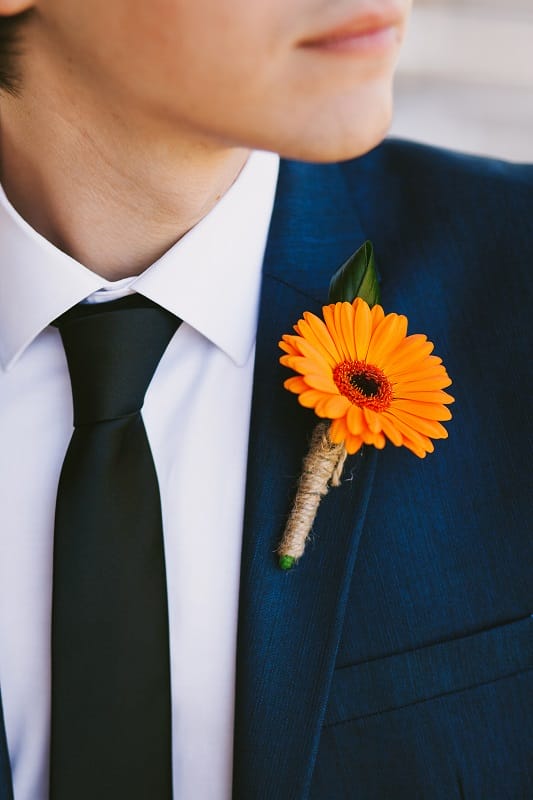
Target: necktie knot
112,352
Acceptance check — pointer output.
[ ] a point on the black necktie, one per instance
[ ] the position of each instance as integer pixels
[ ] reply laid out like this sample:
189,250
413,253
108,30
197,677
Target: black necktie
111,729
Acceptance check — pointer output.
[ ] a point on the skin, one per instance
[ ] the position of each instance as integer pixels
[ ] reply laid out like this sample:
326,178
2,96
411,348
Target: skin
155,106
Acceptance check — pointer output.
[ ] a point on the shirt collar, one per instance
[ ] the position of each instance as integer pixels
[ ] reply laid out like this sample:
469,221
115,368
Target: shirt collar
211,278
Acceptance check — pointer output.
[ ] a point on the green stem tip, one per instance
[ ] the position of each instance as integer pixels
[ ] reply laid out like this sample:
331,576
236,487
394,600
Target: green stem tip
287,562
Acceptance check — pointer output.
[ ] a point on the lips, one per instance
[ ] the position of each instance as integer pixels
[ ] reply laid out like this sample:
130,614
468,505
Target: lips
366,24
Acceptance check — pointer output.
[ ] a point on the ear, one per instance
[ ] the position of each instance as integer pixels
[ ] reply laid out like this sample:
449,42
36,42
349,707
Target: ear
9,8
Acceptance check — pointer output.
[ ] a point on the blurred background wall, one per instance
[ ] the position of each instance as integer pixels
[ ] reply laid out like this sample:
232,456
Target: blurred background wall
465,78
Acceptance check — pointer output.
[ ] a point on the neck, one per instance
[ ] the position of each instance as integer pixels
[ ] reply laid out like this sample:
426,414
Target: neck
114,196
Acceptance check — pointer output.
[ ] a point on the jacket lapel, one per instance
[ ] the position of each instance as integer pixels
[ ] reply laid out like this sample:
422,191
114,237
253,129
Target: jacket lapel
290,623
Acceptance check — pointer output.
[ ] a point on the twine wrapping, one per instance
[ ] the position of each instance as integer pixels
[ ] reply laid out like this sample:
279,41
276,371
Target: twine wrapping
322,468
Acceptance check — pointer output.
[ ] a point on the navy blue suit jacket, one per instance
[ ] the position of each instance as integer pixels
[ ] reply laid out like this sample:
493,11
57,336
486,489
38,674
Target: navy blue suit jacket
394,661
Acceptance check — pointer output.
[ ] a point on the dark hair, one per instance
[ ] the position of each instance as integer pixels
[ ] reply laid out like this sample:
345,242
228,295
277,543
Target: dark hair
10,29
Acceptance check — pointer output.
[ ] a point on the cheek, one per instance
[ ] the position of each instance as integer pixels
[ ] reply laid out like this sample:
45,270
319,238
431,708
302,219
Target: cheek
228,67
190,37
163,46
199,50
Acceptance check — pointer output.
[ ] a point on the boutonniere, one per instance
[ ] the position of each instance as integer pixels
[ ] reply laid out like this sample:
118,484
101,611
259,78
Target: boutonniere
367,379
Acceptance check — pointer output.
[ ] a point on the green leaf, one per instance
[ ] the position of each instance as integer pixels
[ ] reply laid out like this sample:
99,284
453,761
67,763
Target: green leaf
356,278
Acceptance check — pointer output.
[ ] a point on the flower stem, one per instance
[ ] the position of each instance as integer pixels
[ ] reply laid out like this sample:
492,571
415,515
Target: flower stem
322,468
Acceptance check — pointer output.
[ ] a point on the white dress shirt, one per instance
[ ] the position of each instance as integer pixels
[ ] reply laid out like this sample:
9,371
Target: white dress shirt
196,415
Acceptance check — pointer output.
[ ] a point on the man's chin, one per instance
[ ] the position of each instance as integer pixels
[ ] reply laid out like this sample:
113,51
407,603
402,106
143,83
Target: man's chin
341,140
344,152
335,149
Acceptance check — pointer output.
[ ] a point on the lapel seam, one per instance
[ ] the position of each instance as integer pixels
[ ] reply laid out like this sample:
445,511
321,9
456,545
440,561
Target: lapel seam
294,287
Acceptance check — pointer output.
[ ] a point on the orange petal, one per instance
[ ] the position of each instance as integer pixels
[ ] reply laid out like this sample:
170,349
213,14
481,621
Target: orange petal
328,313
296,384
308,350
412,351
424,385
431,364
305,331
416,374
341,344
416,449
379,441
338,431
377,315
353,444
386,339
346,316
435,396
372,419
286,360
313,329
408,433
427,427
332,406
399,331
355,420
391,431
379,335
414,340
362,329
302,364
288,346
293,340
413,443
424,410
323,383
310,398
368,437
374,439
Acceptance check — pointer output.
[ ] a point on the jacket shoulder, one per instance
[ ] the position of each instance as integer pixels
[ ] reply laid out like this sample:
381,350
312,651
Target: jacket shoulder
427,166
404,189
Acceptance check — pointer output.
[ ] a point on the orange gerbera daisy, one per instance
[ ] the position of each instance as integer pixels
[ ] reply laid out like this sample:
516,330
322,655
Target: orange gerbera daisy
359,368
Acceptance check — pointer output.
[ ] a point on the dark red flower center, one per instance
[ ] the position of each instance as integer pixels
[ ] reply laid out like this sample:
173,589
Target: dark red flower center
363,384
